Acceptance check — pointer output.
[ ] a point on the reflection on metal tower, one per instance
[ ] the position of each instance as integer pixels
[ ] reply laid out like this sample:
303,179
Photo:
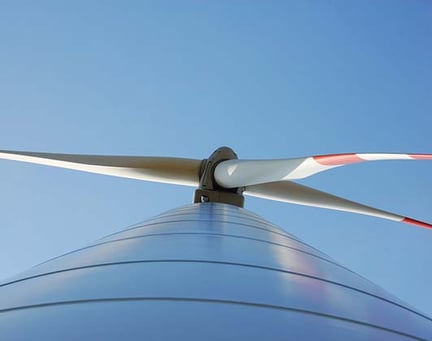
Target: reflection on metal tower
207,271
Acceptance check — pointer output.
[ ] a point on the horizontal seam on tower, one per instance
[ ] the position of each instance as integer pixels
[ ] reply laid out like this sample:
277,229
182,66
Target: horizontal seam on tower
217,221
201,233
219,263
275,229
150,223
213,301
257,220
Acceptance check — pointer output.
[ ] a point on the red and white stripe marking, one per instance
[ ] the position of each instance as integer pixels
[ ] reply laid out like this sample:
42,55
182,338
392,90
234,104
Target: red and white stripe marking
319,163
239,173
419,223
346,159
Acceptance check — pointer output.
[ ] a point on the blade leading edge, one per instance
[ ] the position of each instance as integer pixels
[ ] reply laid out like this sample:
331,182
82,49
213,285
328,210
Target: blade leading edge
172,170
291,192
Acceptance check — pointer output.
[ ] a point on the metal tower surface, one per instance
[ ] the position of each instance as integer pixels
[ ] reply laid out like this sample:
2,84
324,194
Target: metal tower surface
208,271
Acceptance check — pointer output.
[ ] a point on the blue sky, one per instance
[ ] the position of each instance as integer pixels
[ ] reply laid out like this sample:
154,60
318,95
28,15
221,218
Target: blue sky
270,79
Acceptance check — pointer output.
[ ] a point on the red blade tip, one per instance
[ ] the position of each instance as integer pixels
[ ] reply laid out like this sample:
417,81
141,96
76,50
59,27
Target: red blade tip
417,223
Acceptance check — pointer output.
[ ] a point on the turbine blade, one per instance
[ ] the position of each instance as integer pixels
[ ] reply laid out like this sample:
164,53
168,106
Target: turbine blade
159,169
240,173
291,192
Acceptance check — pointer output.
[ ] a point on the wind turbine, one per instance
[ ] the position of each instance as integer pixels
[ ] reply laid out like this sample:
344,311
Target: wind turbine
211,270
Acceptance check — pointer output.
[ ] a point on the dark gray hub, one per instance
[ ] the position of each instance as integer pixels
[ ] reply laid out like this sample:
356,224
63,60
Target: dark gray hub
209,190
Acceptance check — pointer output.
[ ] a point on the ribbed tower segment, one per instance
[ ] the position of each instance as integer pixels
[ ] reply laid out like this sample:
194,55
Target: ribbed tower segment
202,272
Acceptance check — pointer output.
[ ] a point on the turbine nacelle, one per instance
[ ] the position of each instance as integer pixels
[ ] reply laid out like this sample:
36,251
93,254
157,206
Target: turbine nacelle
210,190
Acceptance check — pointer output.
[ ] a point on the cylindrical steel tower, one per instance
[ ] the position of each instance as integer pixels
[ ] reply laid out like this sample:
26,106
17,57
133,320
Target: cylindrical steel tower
207,271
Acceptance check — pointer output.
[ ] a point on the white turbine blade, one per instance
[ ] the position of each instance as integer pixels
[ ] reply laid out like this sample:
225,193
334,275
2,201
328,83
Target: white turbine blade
159,169
291,192
240,173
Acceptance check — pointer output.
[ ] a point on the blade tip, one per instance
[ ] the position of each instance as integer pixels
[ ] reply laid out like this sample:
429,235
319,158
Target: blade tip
416,223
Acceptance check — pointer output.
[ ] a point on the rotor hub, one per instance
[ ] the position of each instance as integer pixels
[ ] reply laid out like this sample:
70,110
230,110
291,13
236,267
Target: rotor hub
209,190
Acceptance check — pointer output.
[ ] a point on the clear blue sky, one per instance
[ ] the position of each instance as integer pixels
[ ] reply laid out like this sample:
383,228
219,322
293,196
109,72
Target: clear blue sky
271,79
